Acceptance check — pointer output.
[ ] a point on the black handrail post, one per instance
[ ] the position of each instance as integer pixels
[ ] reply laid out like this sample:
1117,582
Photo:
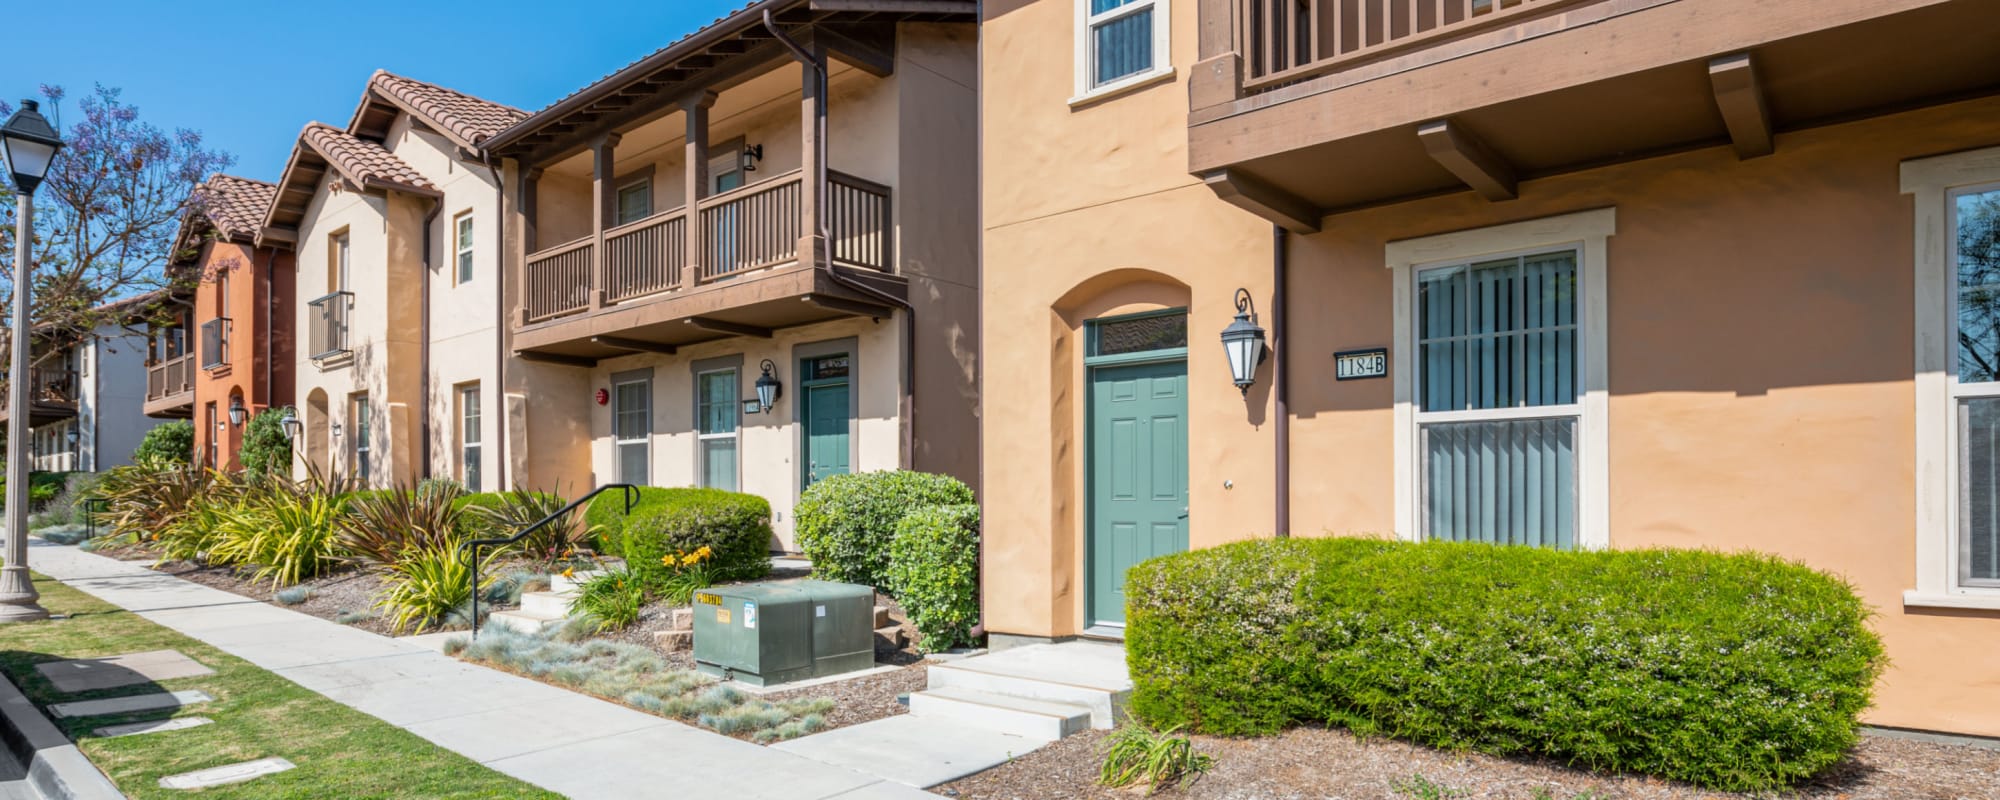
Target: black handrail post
472,547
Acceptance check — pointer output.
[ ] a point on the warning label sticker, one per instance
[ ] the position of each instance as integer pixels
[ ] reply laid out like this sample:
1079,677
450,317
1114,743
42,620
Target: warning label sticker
749,615
722,616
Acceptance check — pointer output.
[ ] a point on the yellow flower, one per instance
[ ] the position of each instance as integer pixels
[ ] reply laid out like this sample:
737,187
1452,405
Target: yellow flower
569,572
667,561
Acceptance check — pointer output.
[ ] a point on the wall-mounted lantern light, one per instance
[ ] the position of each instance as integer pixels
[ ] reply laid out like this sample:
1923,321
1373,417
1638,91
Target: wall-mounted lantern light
1244,342
237,412
335,429
71,436
768,387
752,153
290,423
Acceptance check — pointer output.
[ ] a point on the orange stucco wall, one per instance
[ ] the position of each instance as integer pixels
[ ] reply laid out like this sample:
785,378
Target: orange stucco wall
1760,347
259,353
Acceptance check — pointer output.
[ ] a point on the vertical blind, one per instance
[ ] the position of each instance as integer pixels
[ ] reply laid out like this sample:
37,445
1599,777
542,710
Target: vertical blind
1979,498
1976,244
1121,45
632,429
1498,335
470,437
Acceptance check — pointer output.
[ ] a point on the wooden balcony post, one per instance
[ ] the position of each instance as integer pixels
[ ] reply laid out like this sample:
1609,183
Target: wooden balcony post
1218,75
603,209
812,177
695,108
529,212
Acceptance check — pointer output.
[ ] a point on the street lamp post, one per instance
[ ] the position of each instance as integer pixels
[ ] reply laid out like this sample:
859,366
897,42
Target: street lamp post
28,144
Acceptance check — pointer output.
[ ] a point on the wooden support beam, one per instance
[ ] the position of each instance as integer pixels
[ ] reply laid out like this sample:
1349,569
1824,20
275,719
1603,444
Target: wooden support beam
731,328
634,345
1466,156
846,306
1740,98
556,358
1257,197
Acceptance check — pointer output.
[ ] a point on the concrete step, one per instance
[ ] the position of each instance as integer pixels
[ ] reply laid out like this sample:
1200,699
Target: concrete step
547,604
1034,719
522,621
559,584
1078,673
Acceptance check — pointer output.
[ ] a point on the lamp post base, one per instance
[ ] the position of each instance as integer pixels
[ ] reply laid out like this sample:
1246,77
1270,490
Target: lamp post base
18,596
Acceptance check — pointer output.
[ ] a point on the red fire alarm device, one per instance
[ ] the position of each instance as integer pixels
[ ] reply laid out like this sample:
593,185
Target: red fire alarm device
603,397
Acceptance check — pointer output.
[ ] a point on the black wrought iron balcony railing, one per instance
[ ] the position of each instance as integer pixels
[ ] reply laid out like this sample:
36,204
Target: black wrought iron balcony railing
215,343
327,321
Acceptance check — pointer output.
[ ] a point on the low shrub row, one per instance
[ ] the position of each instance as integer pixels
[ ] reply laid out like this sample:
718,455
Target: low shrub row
1733,672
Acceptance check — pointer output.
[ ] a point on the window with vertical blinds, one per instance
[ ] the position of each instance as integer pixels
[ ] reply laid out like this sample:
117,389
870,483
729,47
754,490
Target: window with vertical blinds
631,424
1497,371
1122,39
716,415
1975,245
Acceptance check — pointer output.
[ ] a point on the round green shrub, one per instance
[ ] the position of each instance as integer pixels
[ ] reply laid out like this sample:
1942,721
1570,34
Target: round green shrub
171,442
265,448
934,567
845,522
735,527
1735,672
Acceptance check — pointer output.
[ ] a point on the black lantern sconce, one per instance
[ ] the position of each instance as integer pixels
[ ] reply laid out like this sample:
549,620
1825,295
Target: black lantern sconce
768,387
1243,340
237,412
291,425
752,153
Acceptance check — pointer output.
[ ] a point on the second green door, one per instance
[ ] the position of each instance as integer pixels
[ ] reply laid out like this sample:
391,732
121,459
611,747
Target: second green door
1138,476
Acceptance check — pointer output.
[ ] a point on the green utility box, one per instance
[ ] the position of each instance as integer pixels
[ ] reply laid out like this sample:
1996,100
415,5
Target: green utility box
769,633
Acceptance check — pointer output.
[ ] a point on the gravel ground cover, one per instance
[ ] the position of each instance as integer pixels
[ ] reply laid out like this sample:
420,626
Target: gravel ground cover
1311,764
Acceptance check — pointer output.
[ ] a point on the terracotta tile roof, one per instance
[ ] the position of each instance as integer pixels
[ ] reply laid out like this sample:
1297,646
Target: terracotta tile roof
235,206
468,118
363,161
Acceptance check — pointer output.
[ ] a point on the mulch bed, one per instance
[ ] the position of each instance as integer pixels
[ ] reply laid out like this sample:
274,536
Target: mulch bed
1310,763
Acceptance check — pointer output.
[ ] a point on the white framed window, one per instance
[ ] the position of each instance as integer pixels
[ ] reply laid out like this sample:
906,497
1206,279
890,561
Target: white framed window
361,421
341,249
469,438
635,200
1120,44
632,428
1500,383
462,246
1957,279
716,416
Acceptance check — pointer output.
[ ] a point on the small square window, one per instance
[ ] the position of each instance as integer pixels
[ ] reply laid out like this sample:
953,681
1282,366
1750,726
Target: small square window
1119,42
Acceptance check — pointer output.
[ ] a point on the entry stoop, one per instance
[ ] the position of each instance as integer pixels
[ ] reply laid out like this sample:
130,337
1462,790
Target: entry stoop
539,611
1043,687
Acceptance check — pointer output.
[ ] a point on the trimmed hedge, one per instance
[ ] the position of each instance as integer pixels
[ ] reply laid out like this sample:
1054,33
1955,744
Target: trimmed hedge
736,527
845,522
172,442
1733,672
934,567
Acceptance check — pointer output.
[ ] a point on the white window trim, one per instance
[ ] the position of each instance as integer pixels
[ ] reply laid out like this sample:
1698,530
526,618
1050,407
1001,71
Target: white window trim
1587,231
1932,181
469,411
618,444
460,248
1163,61
736,406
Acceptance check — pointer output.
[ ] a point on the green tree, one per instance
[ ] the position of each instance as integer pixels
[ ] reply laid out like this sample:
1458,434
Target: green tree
265,447
172,441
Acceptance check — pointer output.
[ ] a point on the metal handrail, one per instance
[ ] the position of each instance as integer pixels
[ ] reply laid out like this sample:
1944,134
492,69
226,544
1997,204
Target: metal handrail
631,499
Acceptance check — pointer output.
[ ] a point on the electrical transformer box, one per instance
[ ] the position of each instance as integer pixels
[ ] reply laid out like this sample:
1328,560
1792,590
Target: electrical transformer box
770,633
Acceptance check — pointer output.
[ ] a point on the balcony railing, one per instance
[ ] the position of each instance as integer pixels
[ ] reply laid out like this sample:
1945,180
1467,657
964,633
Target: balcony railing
328,323
1289,40
644,257
742,230
215,343
169,377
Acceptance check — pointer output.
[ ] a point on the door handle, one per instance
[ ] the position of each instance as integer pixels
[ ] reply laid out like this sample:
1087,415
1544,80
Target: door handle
1184,512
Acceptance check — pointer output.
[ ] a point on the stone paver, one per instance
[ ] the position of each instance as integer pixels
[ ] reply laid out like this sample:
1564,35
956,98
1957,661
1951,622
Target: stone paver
85,674
156,726
157,701
560,740
227,774
914,751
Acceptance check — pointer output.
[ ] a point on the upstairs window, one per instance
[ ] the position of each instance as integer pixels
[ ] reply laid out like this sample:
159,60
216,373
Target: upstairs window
1120,43
635,201
462,247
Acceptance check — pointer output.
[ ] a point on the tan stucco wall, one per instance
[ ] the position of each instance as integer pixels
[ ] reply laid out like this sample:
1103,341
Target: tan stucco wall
1760,347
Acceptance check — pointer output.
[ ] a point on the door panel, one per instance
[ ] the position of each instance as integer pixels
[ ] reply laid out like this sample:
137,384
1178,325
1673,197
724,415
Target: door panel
1138,477
826,431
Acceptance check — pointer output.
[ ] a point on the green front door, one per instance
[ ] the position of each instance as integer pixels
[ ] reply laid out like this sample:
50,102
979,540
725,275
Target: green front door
826,421
1138,476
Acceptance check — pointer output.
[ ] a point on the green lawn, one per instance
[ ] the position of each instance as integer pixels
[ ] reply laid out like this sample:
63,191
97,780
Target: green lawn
340,752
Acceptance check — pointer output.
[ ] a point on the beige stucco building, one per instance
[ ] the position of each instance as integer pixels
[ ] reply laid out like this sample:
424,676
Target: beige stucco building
1676,273
393,219
785,198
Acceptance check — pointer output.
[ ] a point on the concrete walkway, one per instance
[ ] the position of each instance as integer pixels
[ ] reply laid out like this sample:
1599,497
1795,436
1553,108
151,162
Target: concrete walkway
557,739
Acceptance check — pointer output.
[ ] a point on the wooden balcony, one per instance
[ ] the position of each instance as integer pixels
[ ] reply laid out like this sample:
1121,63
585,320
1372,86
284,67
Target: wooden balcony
1299,108
52,395
640,290
170,388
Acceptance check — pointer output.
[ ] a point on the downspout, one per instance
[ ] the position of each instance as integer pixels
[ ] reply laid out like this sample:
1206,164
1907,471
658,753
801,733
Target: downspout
269,322
825,256
499,327
1283,427
424,345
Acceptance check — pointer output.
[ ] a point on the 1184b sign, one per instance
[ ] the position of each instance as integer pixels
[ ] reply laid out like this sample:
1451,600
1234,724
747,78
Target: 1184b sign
1356,364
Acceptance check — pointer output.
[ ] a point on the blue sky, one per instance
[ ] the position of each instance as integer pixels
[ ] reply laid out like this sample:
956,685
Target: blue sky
248,75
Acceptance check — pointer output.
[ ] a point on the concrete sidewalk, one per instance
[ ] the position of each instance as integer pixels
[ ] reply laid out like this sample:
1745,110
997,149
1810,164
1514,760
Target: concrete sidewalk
557,739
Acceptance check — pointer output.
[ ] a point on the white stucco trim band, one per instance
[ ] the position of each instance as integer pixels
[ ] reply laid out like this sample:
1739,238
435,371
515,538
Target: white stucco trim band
1588,231
1931,181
